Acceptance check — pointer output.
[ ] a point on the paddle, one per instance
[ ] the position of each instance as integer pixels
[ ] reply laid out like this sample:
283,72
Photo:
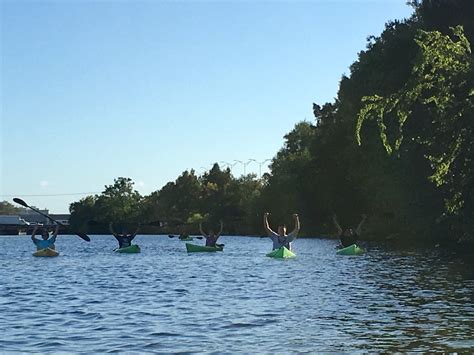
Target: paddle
172,236
24,204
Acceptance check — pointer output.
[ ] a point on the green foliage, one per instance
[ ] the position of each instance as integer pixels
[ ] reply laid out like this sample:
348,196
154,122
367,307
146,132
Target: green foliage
117,203
82,212
439,94
181,204
195,218
7,208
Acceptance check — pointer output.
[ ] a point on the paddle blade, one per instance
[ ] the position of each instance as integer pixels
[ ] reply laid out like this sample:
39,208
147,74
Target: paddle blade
84,236
20,202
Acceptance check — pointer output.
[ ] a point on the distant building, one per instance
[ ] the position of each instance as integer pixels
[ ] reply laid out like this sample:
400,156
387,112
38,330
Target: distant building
34,217
11,224
62,218
27,219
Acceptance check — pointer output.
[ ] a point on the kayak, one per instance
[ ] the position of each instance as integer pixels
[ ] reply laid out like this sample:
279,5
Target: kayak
351,250
282,253
192,248
46,252
131,249
186,239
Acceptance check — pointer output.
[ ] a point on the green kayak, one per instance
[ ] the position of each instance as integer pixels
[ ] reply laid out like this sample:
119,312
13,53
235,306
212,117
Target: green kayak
192,248
282,253
131,249
351,250
186,239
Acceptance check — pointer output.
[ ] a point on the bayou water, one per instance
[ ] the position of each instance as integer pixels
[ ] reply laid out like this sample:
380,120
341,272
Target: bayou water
90,299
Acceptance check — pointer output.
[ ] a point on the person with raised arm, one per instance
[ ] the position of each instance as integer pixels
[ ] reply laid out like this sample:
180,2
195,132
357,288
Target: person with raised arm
211,237
281,239
124,239
348,236
47,241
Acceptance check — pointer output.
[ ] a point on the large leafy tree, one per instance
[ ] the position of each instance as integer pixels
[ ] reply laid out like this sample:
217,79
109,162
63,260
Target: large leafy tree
82,212
439,97
177,201
117,203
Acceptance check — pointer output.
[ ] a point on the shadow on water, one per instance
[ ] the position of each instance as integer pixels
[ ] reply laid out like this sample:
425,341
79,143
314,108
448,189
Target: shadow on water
165,300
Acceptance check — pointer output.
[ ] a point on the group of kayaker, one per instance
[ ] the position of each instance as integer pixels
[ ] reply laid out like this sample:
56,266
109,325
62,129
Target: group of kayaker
280,238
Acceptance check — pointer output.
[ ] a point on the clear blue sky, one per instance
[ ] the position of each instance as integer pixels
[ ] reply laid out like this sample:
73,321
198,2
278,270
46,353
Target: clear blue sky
93,90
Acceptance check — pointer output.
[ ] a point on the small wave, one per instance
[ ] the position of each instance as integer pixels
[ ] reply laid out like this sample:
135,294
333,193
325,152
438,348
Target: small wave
164,334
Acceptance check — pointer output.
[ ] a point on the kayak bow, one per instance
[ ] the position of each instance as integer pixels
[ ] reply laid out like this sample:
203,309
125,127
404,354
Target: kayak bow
192,248
351,250
282,253
129,250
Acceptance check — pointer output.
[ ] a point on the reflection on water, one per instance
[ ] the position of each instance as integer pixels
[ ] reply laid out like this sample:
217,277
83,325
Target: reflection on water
164,300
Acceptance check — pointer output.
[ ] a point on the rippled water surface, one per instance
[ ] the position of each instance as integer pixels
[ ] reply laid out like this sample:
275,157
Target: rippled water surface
90,299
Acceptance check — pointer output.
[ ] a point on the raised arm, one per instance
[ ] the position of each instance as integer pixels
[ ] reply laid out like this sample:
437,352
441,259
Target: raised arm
135,233
220,230
34,233
297,225
336,224
56,231
202,232
111,229
53,237
266,225
359,227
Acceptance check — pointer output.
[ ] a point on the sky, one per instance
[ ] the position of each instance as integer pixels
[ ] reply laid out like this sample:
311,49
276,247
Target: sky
94,90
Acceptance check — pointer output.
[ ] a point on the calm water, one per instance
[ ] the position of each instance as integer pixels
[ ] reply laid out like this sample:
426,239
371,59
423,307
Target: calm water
90,299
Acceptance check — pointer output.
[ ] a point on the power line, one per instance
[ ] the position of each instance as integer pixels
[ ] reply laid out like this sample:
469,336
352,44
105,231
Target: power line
46,195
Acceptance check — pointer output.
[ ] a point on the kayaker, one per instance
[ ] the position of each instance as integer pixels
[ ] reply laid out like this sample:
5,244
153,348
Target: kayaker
348,236
281,239
183,236
211,237
124,239
47,241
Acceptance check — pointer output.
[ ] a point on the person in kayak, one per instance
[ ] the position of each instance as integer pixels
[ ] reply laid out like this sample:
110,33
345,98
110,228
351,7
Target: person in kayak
47,241
183,236
348,236
211,237
281,239
124,239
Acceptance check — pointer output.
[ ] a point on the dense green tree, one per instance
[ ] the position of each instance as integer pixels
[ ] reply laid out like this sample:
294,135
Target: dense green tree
177,201
119,202
8,209
440,96
82,212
